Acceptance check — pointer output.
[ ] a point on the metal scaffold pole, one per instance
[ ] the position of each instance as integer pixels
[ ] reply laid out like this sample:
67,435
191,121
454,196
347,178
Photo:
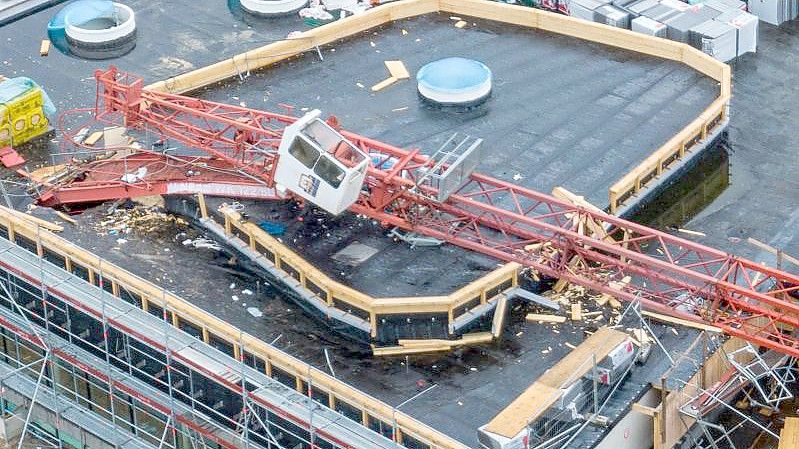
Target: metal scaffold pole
107,351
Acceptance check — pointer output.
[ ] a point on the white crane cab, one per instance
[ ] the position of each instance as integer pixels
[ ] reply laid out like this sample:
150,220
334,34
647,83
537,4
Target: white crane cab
319,164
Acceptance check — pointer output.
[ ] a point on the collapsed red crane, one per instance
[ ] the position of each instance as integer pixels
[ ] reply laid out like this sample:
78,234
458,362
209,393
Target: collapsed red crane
553,237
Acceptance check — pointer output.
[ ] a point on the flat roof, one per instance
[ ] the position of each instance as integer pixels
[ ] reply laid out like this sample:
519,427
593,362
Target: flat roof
564,112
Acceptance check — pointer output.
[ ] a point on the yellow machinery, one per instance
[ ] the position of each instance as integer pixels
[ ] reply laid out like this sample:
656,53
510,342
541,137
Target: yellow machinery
24,108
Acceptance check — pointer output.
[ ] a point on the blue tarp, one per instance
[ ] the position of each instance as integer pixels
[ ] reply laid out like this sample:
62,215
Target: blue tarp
14,87
272,228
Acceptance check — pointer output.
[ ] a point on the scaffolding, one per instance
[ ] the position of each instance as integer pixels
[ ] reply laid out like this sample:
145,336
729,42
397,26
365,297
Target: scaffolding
765,373
72,347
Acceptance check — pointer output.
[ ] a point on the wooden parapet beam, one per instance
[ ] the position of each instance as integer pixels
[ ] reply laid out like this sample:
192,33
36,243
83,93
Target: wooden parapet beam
34,221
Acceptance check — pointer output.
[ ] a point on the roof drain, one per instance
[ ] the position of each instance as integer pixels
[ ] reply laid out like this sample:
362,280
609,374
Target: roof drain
94,29
272,8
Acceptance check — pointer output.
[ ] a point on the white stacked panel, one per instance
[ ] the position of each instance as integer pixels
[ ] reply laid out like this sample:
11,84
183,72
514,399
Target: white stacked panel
584,9
715,38
613,16
774,12
648,26
746,29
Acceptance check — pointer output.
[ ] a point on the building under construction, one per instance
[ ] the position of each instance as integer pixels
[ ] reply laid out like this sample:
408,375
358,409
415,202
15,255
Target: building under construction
413,223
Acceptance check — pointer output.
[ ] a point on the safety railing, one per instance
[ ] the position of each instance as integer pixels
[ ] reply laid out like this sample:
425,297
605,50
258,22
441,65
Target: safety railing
664,157
482,291
220,334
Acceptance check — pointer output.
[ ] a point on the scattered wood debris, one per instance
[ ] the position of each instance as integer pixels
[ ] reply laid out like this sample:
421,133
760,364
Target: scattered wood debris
139,219
576,311
543,318
44,49
383,84
66,217
397,69
93,138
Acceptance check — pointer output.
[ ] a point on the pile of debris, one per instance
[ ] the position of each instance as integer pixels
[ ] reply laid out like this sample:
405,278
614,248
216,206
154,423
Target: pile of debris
139,220
577,301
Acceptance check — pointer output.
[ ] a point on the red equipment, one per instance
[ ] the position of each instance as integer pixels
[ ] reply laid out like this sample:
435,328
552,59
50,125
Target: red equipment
512,223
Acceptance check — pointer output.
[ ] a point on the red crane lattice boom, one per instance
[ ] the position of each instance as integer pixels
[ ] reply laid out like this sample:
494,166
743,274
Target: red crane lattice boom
553,237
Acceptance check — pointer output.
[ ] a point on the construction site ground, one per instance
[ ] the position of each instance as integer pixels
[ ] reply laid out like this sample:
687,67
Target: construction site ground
474,383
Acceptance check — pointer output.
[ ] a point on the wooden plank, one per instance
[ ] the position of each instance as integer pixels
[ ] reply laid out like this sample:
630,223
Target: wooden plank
528,406
66,217
466,339
577,200
789,435
772,250
401,350
44,48
410,343
93,138
680,321
203,207
576,311
509,271
383,84
498,322
560,285
574,365
545,318
475,338
397,70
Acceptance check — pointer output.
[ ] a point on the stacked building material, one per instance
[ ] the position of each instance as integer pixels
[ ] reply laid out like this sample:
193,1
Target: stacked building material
718,39
720,28
613,16
584,9
746,29
726,5
679,25
638,7
648,26
775,12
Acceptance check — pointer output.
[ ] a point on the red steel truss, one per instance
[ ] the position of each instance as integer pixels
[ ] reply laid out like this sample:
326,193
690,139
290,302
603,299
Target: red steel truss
553,237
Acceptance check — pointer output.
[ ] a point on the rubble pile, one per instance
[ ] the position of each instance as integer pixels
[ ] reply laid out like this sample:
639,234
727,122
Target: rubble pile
139,220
